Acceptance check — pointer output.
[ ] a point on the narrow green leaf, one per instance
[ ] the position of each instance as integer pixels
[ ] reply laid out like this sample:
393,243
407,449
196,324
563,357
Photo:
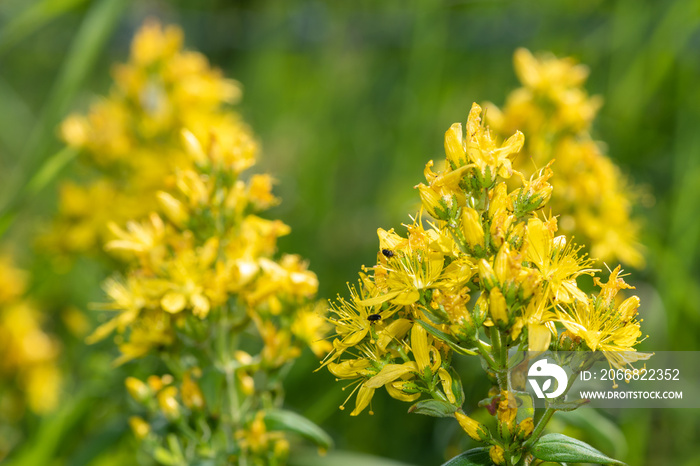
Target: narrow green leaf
85,49
33,18
279,419
473,457
559,447
446,338
50,169
52,432
435,408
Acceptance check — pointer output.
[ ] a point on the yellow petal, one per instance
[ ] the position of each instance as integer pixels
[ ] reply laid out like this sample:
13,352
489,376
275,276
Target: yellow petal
391,372
382,298
395,392
173,302
395,330
406,298
419,346
446,381
364,396
539,337
348,369
454,148
539,242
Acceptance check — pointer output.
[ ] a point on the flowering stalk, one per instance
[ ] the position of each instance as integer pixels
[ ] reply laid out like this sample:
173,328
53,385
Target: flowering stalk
204,293
485,276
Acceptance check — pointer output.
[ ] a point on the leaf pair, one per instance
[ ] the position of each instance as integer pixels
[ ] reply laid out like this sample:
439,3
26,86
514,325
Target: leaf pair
557,448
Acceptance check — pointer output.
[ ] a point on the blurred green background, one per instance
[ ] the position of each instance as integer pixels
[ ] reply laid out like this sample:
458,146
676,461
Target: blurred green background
349,100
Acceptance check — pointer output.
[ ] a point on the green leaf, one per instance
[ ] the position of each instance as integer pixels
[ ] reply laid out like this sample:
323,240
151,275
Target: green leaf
559,447
91,36
473,457
212,385
163,456
568,405
435,408
339,458
279,419
600,430
33,18
446,338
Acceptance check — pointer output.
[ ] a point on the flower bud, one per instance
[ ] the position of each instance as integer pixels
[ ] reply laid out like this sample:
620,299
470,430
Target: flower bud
497,307
247,383
496,455
499,199
140,427
446,382
628,308
168,404
192,396
486,275
507,409
525,428
172,208
471,227
138,390
474,429
193,147
281,448
481,309
436,205
500,265
454,146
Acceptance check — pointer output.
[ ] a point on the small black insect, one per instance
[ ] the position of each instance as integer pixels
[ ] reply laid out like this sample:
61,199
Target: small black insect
374,318
388,252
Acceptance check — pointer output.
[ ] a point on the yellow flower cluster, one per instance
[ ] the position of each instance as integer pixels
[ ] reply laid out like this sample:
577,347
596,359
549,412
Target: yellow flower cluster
210,250
28,354
130,139
29,374
488,273
590,193
202,278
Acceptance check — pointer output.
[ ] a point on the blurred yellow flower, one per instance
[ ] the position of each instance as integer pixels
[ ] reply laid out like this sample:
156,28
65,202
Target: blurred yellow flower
131,138
588,190
28,355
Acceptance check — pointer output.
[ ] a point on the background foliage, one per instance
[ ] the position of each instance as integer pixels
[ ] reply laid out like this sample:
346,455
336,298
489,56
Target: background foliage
349,100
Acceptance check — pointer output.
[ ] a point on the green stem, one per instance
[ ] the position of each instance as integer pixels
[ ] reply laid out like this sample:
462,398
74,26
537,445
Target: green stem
549,412
501,352
225,348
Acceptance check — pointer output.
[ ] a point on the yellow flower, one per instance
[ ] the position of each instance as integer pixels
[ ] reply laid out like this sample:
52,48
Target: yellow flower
408,272
605,326
558,263
28,354
132,137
